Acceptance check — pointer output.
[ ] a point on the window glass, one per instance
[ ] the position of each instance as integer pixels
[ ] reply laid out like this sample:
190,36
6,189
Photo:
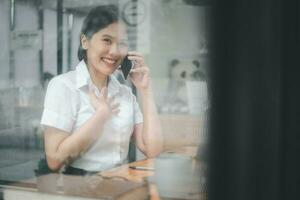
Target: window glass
40,38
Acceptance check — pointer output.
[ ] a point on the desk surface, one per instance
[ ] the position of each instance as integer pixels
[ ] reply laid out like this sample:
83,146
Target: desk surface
119,183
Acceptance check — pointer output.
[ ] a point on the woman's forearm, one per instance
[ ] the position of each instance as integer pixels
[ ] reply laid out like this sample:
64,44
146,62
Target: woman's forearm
79,141
152,134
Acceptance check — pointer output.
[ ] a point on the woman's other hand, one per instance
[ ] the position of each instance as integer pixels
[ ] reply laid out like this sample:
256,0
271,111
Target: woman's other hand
104,104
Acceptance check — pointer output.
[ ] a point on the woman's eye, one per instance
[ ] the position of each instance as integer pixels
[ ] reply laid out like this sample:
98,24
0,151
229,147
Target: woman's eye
107,40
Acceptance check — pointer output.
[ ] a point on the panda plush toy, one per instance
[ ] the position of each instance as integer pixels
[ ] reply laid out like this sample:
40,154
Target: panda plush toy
181,71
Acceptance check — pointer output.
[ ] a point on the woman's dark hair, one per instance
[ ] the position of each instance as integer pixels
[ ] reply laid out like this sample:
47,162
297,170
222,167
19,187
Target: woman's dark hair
97,19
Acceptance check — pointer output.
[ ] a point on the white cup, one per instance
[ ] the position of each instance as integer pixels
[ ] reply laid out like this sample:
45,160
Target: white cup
175,176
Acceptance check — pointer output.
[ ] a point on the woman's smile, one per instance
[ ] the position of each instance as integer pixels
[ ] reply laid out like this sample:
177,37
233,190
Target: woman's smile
109,61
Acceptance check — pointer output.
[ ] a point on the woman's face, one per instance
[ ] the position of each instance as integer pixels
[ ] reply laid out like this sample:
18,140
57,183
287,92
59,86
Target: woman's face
106,49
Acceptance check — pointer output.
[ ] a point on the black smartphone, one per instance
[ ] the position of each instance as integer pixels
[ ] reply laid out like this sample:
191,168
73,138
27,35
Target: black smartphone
126,66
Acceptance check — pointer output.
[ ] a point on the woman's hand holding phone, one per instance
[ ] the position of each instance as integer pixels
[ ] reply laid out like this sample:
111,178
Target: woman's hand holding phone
139,74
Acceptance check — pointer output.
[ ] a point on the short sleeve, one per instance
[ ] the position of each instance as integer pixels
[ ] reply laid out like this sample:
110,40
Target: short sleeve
138,116
59,106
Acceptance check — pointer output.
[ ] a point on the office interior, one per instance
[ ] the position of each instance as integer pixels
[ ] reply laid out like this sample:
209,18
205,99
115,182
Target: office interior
40,39
254,101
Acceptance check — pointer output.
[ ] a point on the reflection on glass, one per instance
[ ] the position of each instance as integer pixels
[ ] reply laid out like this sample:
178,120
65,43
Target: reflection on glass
173,37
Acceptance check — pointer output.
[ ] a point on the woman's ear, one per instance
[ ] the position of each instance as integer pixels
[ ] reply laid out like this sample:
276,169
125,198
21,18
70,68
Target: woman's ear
84,41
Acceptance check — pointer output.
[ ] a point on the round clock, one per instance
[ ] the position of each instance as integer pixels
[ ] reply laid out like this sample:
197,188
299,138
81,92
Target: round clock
134,12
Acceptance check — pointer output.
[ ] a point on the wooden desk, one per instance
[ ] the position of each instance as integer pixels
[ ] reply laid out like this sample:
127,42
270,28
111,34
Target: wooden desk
134,175
121,183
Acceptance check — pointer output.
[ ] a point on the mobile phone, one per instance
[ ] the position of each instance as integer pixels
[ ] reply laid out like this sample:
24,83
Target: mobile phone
126,66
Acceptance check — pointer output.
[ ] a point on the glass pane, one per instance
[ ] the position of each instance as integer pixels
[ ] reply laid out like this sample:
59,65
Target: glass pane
172,36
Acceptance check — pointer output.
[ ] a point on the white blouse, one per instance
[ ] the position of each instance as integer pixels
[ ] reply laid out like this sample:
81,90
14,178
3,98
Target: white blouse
67,107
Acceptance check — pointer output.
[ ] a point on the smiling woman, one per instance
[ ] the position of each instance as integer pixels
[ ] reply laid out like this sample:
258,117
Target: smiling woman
89,117
106,49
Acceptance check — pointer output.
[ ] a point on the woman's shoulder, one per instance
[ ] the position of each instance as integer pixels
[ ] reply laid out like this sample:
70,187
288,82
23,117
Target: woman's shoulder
67,79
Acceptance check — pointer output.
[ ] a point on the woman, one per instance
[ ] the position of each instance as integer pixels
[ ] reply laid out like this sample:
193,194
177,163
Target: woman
88,115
